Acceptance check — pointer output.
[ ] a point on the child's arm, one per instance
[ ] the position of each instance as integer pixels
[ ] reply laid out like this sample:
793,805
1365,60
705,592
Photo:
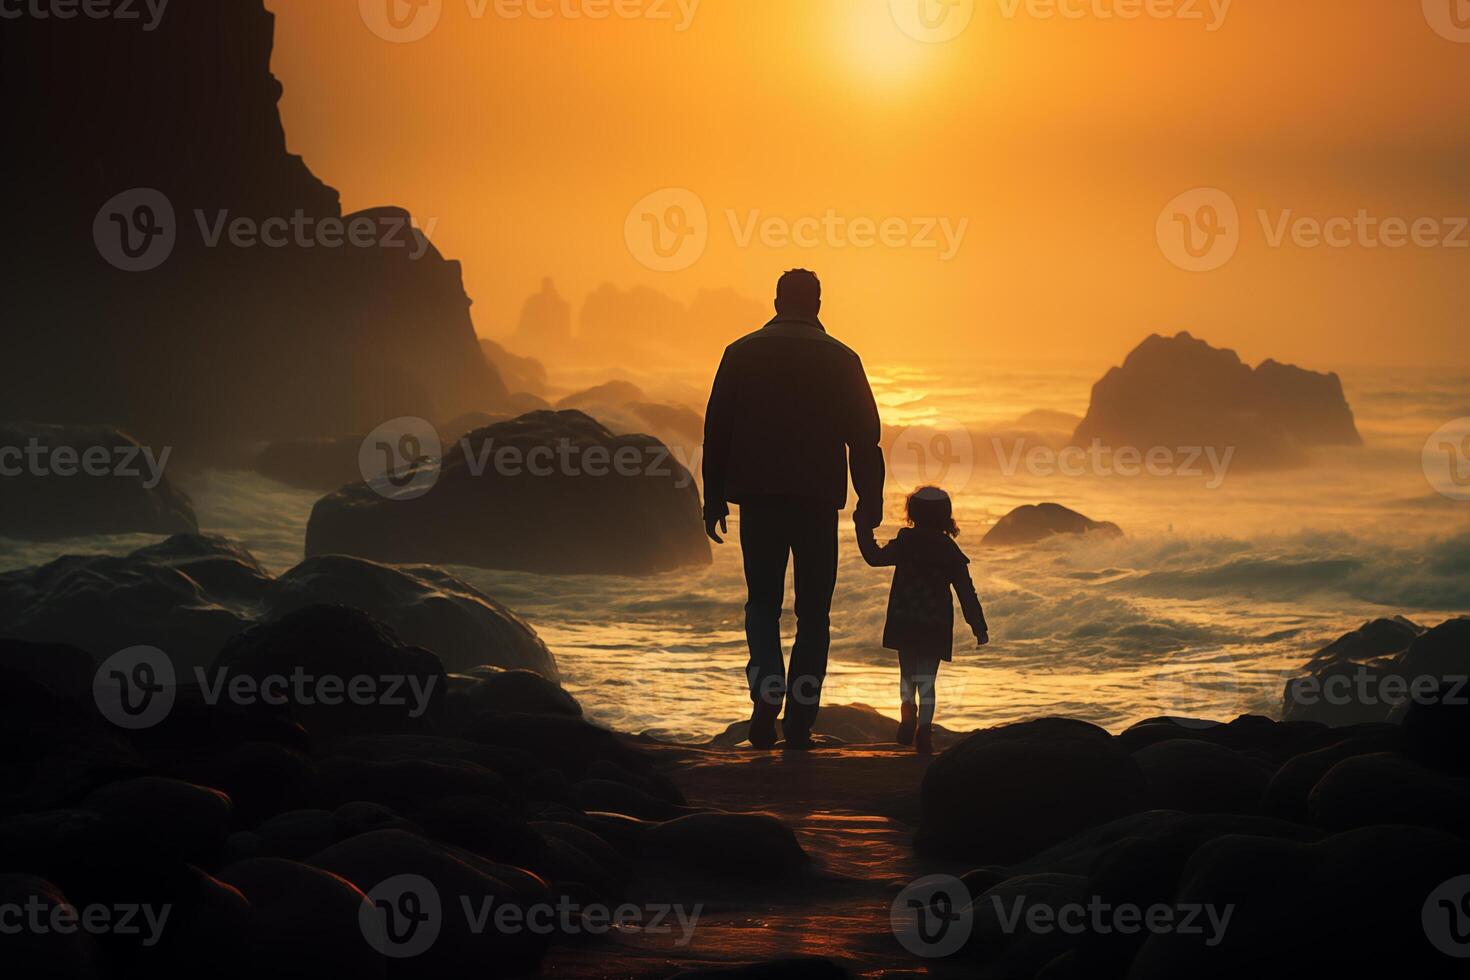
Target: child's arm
964,588
874,554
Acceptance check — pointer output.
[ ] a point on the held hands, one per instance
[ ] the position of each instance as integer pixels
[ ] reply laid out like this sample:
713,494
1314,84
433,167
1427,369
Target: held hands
982,637
867,517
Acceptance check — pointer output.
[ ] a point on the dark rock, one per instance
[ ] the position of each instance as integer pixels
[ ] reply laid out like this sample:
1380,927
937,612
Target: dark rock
587,514
723,844
454,876
1002,794
404,785
501,691
1031,523
1017,951
261,778
65,481
365,817
1375,638
321,463
560,742
1386,788
338,670
1349,905
487,825
45,953
1201,777
1181,392
299,833
424,606
170,817
303,921
1287,794
522,375
63,671
104,604
609,796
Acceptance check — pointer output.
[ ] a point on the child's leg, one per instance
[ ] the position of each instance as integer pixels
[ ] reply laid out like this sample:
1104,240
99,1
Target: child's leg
906,688
926,673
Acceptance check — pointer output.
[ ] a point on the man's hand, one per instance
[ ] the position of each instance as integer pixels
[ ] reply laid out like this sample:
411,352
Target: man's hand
867,518
709,528
982,637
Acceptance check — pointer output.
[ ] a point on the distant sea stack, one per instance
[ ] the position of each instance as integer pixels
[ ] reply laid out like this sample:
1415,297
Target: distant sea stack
1180,392
229,337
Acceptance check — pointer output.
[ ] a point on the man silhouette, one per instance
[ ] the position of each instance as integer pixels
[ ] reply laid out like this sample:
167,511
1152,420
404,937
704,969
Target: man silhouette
790,406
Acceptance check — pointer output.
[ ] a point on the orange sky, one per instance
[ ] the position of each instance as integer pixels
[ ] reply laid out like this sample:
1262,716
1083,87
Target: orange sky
1054,143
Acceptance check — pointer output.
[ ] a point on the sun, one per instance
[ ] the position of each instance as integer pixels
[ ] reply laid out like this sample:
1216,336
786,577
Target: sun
876,48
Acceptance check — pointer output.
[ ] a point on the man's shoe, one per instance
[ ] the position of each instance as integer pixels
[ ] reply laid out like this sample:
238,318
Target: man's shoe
910,714
924,740
763,725
798,741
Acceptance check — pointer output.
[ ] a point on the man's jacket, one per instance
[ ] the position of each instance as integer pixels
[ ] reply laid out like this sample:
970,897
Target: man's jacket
790,406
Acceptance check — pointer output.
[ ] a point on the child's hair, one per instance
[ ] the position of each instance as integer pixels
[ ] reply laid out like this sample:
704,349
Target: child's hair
930,507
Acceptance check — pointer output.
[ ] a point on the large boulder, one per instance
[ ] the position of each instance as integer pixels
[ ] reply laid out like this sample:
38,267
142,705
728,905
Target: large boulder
1377,673
1179,392
1355,904
167,816
741,845
552,492
425,606
407,875
1003,794
1386,788
1031,523
189,594
104,603
1201,777
336,670
63,481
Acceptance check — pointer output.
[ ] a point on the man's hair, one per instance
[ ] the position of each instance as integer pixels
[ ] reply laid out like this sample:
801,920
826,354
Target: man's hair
799,291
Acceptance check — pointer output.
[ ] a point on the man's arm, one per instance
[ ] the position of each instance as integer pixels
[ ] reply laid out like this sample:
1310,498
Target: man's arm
864,449
718,431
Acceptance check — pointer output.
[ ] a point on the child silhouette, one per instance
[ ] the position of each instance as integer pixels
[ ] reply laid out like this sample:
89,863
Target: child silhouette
927,563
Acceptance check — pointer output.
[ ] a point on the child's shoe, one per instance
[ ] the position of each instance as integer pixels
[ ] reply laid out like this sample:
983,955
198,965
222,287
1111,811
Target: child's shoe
909,712
924,740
